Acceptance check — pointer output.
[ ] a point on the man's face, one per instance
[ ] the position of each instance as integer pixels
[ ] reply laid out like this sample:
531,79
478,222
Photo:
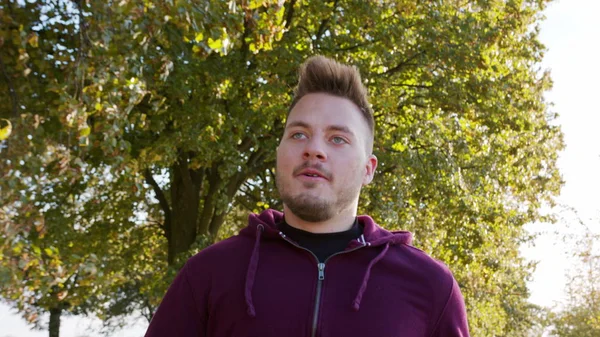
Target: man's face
322,160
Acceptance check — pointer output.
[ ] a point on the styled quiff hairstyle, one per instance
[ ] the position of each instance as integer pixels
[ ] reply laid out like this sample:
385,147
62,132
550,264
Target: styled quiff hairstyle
320,74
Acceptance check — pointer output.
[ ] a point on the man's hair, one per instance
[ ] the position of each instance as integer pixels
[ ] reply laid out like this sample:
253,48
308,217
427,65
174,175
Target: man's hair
320,74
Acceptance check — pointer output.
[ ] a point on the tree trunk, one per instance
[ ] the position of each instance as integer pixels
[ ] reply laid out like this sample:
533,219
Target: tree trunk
185,203
54,325
187,217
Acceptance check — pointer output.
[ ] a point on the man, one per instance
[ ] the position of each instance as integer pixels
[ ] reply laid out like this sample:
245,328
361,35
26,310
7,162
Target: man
316,269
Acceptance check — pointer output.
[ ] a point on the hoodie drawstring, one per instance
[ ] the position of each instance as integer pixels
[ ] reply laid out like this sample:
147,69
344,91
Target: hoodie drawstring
252,272
363,287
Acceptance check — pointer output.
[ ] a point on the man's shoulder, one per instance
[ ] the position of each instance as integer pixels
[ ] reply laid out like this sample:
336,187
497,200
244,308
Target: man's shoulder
424,265
225,252
409,259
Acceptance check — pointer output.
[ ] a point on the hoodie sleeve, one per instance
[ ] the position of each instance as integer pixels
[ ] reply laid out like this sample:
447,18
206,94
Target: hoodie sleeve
179,313
453,320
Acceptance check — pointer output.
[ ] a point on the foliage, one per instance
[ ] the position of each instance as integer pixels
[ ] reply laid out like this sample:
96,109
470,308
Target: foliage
580,316
177,108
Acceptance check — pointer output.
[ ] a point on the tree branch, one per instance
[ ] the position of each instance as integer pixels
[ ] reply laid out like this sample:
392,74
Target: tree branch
388,169
245,46
245,145
360,45
405,63
162,200
306,31
244,204
148,307
208,207
323,25
11,89
290,14
423,86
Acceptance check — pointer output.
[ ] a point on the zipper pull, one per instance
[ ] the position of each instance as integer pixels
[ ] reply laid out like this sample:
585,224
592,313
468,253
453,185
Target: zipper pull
321,271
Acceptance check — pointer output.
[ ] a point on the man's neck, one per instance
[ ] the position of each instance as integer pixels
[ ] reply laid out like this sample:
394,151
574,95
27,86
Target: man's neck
339,223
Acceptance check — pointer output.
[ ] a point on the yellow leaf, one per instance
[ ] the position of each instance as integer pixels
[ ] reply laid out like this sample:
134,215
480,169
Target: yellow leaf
48,251
98,106
196,49
215,44
399,147
199,37
5,130
254,4
33,40
84,132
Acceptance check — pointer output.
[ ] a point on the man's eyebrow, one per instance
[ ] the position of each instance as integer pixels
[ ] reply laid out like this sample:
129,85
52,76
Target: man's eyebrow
340,128
297,124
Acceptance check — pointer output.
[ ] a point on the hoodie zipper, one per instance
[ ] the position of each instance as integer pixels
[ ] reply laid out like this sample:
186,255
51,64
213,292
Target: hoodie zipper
321,277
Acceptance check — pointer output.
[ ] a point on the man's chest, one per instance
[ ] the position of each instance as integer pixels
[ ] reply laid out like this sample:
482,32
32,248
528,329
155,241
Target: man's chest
298,302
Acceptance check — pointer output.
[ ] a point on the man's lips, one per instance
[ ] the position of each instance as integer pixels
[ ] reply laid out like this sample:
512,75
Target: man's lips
312,173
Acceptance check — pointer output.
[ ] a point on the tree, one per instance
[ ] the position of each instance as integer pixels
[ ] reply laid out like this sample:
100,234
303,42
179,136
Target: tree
63,258
184,103
580,316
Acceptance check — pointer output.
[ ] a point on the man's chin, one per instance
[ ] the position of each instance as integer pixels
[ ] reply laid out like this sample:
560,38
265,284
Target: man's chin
312,196
308,206
311,184
311,213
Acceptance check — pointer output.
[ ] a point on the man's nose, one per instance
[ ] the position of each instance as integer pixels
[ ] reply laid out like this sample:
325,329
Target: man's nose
315,149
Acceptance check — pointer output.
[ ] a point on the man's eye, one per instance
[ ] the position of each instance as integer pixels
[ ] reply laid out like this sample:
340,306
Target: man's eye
298,135
338,140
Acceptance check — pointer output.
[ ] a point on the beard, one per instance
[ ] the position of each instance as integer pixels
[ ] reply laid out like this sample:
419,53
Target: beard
311,208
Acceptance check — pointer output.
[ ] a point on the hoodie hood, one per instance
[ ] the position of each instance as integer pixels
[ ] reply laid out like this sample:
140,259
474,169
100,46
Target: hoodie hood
373,234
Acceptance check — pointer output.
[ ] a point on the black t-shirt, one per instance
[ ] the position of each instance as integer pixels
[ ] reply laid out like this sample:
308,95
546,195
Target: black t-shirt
322,245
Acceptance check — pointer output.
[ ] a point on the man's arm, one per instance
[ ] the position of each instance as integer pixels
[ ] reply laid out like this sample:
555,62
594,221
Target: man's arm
179,313
453,320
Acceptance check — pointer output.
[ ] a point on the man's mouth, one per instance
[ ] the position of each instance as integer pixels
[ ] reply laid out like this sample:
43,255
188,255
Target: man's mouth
313,173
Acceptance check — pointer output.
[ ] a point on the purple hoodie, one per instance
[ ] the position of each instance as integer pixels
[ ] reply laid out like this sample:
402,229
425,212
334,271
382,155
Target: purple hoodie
261,284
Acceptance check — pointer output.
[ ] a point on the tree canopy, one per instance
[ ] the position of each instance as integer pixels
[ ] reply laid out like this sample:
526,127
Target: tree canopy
142,131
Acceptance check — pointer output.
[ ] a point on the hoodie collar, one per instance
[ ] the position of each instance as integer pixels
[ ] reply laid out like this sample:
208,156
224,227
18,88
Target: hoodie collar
373,234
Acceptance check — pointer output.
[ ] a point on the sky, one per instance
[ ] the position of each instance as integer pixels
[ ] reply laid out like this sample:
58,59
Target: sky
571,33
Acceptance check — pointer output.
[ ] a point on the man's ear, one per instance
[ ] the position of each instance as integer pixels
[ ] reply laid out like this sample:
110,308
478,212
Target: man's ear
370,169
